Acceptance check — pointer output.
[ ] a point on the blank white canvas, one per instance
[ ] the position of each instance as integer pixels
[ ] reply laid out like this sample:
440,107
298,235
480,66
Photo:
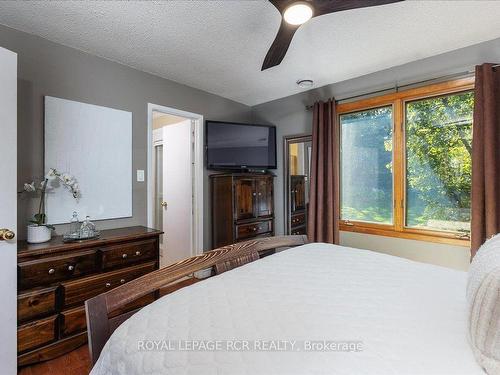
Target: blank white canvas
94,144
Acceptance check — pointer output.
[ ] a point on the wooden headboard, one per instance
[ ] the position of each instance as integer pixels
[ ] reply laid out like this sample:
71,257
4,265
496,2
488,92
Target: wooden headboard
99,324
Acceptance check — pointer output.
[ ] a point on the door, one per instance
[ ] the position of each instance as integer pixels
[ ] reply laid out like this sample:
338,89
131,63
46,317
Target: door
264,197
8,210
245,198
177,192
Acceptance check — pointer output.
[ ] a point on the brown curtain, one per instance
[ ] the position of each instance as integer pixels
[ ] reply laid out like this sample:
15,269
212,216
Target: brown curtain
485,205
323,214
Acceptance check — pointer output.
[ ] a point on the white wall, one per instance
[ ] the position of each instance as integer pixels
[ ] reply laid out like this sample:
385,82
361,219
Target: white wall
290,117
456,257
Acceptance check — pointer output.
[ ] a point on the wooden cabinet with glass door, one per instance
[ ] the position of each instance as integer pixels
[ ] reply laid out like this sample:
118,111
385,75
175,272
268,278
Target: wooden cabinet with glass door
242,207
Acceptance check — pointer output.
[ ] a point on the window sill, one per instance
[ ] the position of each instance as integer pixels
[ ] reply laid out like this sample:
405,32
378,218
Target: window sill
410,234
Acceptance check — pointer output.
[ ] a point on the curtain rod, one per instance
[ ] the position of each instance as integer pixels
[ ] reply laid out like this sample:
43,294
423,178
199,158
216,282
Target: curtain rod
397,87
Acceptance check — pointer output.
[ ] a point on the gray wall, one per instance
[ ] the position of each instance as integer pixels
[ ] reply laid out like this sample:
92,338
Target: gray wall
47,68
290,117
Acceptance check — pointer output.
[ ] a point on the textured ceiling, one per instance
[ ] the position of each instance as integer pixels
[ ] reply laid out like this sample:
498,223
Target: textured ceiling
219,46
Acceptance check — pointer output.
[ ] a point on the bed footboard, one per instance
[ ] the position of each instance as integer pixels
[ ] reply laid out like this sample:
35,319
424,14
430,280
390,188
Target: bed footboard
99,324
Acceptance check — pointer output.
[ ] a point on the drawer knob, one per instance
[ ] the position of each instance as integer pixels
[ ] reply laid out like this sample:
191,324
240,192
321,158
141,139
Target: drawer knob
254,229
122,281
52,271
254,194
108,285
137,253
124,256
71,268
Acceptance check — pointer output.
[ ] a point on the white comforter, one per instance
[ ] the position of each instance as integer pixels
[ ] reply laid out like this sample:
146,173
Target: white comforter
409,317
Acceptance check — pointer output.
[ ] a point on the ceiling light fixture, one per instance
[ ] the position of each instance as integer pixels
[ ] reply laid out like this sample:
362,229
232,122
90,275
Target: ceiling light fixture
305,83
298,13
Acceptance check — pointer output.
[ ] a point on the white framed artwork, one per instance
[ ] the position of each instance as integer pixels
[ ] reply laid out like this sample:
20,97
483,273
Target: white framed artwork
94,144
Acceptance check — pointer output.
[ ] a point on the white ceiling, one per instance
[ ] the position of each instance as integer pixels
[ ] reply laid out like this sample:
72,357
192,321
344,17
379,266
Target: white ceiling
219,46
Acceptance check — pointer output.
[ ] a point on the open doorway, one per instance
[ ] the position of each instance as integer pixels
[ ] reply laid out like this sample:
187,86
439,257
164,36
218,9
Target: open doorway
175,181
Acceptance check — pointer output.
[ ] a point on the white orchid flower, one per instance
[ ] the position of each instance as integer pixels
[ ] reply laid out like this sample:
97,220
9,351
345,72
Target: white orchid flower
51,174
30,187
67,179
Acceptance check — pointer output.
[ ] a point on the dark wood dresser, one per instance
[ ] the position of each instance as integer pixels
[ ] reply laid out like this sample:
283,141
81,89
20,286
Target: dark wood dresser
242,207
298,205
55,279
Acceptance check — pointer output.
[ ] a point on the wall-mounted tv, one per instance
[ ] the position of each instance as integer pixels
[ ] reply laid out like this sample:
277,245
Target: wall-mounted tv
232,145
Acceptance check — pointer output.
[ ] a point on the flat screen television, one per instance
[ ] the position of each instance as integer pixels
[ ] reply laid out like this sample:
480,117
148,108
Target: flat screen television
232,145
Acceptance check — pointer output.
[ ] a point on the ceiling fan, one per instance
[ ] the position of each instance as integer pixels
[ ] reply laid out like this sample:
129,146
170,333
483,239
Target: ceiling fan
295,13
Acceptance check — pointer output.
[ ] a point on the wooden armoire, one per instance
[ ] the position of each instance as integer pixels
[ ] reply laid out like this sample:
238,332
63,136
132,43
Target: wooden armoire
242,207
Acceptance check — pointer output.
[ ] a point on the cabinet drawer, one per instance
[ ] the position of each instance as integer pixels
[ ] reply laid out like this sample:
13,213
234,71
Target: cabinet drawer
128,253
252,229
299,231
74,320
77,291
35,303
37,333
48,270
298,219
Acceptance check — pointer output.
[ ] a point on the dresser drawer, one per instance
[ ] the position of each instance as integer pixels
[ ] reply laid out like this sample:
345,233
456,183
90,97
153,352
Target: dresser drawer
77,291
35,303
250,230
128,253
298,219
49,270
74,320
37,333
299,231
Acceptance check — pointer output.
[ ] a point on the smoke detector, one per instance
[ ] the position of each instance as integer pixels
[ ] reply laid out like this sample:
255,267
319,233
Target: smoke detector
305,83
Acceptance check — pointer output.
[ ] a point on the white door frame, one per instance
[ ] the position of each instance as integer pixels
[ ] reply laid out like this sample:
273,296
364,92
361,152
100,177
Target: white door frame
198,171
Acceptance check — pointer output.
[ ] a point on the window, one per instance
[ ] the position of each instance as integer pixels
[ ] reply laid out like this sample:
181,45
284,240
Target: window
405,163
438,162
366,170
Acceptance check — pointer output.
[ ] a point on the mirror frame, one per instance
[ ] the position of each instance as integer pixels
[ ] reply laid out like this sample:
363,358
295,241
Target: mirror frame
287,141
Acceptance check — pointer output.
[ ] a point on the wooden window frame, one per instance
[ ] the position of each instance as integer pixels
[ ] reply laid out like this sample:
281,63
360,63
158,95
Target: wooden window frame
398,102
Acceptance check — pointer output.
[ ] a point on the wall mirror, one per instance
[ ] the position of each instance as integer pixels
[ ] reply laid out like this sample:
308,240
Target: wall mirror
297,166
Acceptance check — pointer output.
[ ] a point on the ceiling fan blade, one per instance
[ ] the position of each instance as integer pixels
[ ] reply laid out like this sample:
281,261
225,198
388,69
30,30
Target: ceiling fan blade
278,49
281,4
324,7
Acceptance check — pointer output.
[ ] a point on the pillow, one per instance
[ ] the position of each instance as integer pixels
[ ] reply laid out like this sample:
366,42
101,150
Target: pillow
483,298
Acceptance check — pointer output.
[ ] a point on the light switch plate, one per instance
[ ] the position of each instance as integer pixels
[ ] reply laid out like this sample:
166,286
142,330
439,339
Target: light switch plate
140,175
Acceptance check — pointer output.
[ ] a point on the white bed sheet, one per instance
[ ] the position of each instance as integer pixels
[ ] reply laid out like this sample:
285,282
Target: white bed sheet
410,317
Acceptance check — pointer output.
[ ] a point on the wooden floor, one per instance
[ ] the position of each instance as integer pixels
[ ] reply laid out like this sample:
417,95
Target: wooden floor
77,362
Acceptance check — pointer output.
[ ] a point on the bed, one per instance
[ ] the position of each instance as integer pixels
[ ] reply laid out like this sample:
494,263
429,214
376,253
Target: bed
345,310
